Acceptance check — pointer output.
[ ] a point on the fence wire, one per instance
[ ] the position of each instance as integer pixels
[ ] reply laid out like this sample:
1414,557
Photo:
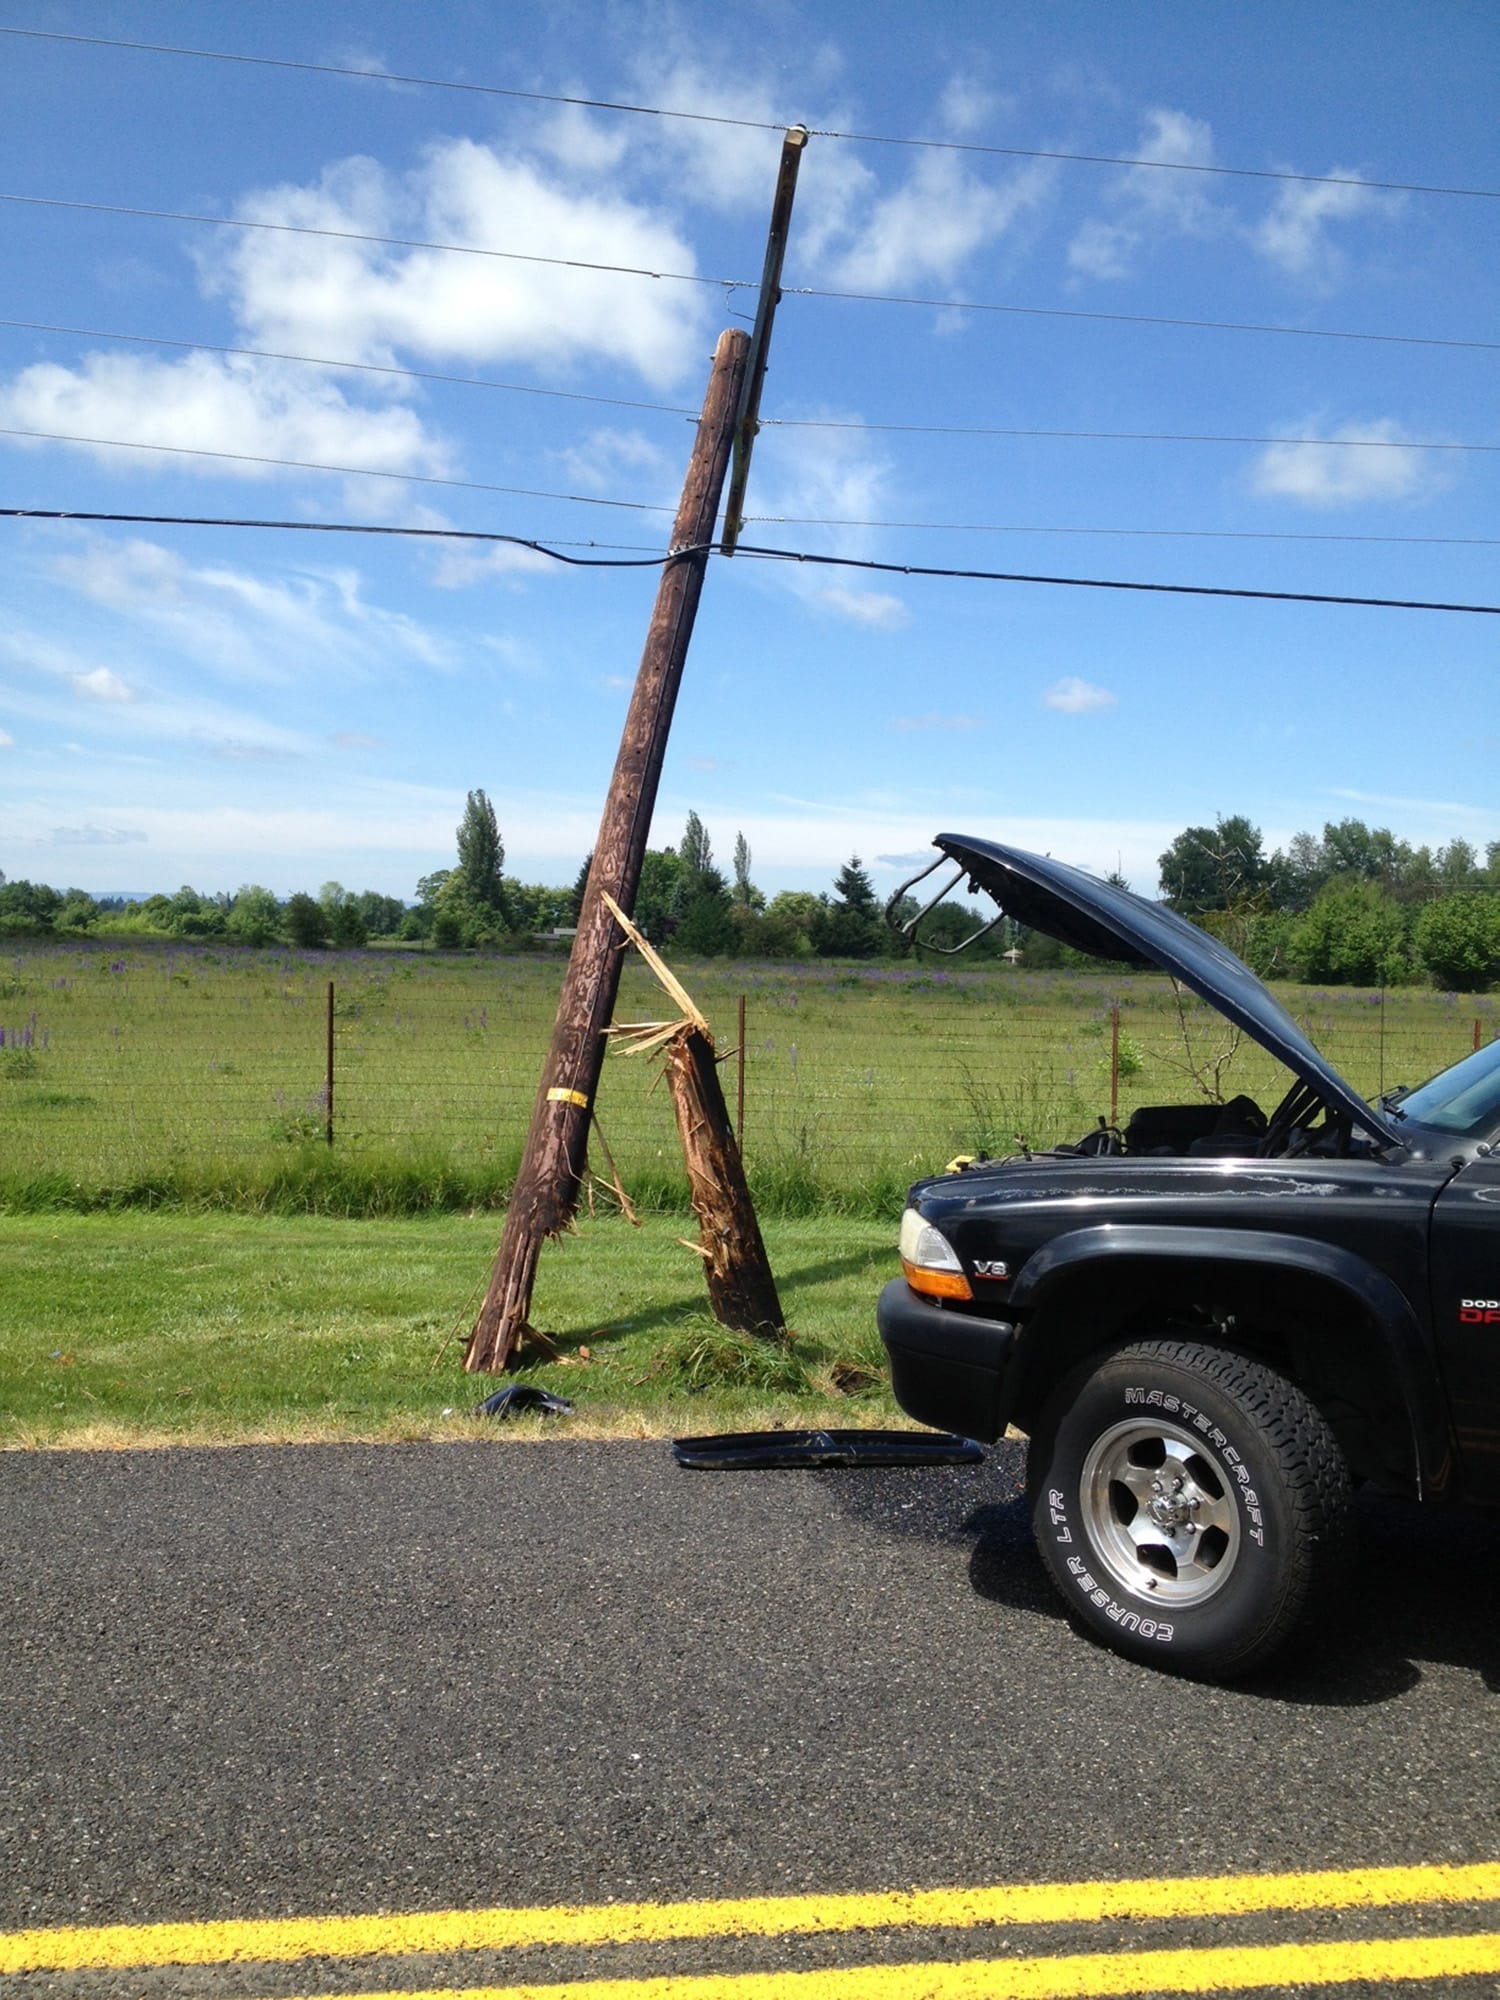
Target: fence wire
126,1061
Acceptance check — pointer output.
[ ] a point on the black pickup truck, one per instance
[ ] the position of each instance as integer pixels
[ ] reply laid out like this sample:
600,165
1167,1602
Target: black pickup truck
1217,1324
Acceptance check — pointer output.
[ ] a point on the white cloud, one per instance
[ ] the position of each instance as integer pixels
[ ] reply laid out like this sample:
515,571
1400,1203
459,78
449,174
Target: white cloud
803,477
1103,249
355,739
966,106
623,464
205,403
938,217
460,564
1329,475
104,685
248,626
1078,697
1294,235
367,301
96,836
722,166
1148,204
7,741
873,608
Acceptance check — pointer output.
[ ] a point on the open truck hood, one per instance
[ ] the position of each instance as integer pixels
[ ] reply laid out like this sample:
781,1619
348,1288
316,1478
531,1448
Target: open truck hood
1108,922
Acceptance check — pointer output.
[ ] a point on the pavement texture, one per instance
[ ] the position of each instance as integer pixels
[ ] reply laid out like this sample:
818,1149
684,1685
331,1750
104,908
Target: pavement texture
273,1681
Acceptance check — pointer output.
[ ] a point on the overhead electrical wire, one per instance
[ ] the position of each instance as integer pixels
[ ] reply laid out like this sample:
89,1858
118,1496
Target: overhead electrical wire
748,285
1150,534
751,124
365,367
551,548
349,471
800,556
761,520
767,423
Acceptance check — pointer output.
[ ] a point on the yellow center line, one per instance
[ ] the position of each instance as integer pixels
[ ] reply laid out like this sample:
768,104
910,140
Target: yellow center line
262,1940
1274,1967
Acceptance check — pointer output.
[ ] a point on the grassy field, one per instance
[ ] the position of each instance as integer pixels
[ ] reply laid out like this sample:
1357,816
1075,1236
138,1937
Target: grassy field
140,1329
184,1258
170,1075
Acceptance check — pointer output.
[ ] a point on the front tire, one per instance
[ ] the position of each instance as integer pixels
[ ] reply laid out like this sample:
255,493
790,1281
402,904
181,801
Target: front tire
1191,1506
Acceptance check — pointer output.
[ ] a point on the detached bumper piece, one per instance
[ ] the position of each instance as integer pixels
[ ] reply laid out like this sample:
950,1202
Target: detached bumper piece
771,1451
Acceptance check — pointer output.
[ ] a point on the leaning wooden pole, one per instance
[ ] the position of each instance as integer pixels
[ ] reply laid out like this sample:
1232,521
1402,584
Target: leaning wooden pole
545,1197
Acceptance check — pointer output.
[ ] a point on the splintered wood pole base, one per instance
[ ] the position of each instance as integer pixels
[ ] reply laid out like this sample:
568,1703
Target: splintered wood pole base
740,1285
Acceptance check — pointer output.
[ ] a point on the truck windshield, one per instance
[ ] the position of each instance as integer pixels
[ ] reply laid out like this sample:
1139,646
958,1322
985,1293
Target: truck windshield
1464,1100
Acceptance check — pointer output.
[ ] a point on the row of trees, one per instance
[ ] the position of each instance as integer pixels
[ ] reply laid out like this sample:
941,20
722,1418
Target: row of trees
1353,905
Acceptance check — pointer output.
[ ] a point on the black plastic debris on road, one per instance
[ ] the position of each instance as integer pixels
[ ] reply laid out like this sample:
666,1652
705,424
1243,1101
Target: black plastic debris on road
516,1399
769,1451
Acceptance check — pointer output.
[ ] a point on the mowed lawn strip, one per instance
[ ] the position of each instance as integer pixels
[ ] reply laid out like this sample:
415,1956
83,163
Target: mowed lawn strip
140,1328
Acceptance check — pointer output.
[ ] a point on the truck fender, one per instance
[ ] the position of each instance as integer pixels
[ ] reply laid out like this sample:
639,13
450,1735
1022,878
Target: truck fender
1400,1333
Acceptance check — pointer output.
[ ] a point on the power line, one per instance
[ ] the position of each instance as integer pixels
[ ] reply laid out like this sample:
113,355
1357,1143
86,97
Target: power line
763,554
779,423
1130,319
553,549
368,367
1153,534
364,236
745,284
762,520
1096,437
349,471
1112,583
755,124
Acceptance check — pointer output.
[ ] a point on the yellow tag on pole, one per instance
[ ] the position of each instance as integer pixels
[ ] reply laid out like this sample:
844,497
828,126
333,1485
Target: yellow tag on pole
559,1095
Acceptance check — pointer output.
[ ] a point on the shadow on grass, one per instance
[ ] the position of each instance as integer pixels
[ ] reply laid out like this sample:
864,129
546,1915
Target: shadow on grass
664,1315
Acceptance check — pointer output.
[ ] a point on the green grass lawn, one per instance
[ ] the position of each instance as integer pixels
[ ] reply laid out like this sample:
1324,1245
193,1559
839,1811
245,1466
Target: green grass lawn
178,1328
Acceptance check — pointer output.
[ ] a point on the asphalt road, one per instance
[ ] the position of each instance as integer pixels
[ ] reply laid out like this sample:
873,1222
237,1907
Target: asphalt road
267,1682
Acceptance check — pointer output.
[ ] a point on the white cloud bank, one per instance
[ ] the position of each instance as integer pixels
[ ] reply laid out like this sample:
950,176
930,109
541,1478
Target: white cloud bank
1147,206
1072,696
1333,475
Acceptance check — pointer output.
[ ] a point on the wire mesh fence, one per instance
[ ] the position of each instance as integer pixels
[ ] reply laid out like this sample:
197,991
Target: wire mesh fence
128,1069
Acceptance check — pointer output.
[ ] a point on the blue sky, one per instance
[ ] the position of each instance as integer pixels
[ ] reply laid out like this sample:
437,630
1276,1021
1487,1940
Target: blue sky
220,706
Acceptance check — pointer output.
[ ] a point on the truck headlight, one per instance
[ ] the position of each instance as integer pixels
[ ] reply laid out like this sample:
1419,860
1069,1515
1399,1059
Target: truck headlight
930,1261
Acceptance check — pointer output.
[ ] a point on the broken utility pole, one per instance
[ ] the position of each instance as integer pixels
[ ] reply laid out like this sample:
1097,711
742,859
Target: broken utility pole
741,1288
545,1196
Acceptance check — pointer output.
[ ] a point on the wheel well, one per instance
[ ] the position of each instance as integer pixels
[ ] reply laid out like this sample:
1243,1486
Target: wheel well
1303,1326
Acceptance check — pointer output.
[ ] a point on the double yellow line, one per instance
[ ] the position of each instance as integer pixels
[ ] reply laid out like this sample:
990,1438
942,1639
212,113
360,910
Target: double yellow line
1216,1969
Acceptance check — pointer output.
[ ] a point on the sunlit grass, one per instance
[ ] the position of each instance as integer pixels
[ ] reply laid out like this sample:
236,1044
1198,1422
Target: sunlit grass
142,1329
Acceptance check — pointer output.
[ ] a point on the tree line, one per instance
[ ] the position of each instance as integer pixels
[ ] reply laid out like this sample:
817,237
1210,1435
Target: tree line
1354,905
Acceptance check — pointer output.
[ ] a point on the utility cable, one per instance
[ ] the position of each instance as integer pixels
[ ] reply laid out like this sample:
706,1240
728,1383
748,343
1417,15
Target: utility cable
751,124
767,423
1110,583
1089,437
1151,534
553,549
364,367
745,284
762,554
349,471
760,520
365,236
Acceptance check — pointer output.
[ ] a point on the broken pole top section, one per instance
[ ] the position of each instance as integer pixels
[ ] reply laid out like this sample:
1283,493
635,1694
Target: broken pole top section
747,417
